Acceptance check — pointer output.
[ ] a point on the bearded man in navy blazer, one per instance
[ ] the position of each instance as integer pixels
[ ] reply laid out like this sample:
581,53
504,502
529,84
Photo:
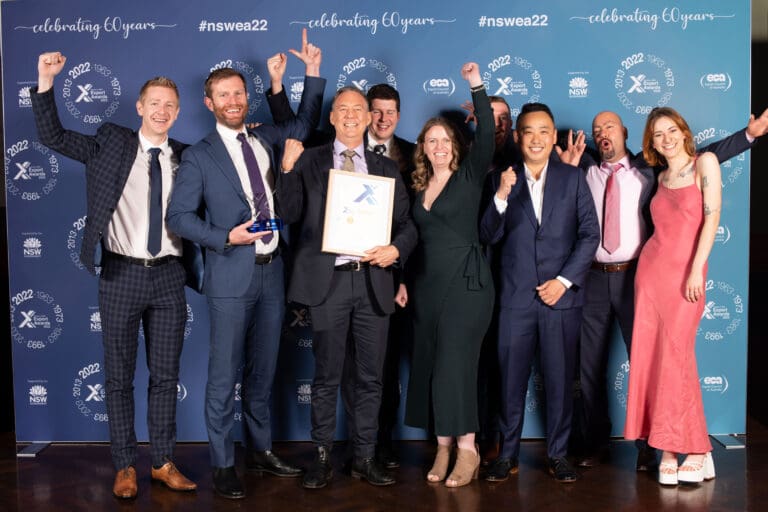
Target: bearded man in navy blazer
543,219
231,175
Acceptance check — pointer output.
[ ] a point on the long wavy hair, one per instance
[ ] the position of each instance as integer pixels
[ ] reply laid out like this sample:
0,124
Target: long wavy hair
424,171
653,157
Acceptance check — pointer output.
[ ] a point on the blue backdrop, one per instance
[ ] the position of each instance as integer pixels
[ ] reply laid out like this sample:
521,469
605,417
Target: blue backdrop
579,57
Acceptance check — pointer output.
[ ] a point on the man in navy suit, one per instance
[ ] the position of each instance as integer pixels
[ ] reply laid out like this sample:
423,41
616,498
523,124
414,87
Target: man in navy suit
543,219
231,174
142,276
348,295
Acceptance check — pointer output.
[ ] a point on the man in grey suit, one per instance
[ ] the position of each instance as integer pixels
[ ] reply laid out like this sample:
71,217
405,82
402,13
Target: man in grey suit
231,175
128,178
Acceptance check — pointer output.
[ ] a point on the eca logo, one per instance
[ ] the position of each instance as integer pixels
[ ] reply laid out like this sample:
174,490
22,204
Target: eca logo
719,82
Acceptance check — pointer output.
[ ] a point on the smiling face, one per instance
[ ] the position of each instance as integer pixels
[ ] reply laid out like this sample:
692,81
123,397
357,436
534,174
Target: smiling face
350,117
158,108
668,138
438,148
610,136
228,101
536,136
384,119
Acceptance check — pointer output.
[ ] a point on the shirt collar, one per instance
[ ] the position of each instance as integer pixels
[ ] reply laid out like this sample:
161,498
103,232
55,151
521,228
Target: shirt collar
338,148
228,133
146,145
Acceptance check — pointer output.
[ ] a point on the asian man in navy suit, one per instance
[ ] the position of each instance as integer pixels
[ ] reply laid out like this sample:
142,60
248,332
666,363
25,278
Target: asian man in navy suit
543,220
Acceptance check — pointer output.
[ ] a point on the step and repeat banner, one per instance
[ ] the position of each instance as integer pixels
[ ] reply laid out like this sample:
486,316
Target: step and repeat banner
578,57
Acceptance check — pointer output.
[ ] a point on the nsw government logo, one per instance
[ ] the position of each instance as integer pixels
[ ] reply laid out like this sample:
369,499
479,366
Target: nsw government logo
723,312
252,80
296,89
25,100
94,320
578,85
643,81
439,86
91,92
31,170
714,384
304,392
720,82
513,78
36,319
32,246
38,393
364,72
89,393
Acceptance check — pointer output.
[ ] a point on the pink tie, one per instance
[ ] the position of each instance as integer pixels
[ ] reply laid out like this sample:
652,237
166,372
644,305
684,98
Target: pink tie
612,211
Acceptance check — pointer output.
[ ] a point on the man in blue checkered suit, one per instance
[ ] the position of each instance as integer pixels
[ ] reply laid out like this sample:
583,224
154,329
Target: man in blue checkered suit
142,276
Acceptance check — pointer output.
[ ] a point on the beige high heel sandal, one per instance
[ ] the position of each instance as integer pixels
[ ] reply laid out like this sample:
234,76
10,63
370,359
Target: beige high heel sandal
440,466
466,468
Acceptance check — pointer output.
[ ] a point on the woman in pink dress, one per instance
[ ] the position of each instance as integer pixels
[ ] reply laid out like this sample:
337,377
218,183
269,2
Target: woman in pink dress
664,402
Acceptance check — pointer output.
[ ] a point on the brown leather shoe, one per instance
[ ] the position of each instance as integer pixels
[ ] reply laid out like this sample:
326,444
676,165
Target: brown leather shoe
125,483
172,477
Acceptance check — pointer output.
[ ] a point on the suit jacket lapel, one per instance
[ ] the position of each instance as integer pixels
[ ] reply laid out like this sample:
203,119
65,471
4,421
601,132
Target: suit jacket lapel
553,189
130,150
220,156
524,196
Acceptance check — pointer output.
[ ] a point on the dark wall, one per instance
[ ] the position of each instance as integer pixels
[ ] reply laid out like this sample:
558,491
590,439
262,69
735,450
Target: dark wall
757,402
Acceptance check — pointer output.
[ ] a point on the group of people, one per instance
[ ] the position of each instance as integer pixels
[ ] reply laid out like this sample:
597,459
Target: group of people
568,247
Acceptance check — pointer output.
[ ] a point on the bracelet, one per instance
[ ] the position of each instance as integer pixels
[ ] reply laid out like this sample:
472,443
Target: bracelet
477,88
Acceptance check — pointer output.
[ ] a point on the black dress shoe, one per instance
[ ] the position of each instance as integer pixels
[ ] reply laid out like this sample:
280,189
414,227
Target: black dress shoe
268,462
500,470
371,471
320,471
646,459
386,456
561,469
227,484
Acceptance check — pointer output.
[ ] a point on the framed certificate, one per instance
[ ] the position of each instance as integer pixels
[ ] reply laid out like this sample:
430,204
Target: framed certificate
358,212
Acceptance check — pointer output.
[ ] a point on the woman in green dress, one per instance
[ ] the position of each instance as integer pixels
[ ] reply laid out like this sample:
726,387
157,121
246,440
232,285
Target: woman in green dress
452,290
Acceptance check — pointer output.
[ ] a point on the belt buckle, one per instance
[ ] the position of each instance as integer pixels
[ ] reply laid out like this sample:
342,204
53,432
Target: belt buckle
270,256
357,265
147,263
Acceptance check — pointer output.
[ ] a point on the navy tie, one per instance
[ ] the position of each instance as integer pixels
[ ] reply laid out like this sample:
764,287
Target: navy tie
155,203
261,205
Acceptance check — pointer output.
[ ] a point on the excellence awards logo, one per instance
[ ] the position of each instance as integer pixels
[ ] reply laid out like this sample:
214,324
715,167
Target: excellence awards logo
36,319
642,82
31,170
513,78
91,93
723,312
732,169
89,393
364,72
252,80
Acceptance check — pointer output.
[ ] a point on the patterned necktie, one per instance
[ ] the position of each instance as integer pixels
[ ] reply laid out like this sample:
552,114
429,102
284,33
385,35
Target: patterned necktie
380,149
349,165
260,203
612,211
155,203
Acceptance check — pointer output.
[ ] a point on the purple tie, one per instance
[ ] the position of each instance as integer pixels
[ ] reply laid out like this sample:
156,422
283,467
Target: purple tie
257,184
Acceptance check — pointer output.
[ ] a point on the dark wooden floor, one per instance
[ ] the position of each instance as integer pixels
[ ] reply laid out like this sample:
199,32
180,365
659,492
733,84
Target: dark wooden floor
71,477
